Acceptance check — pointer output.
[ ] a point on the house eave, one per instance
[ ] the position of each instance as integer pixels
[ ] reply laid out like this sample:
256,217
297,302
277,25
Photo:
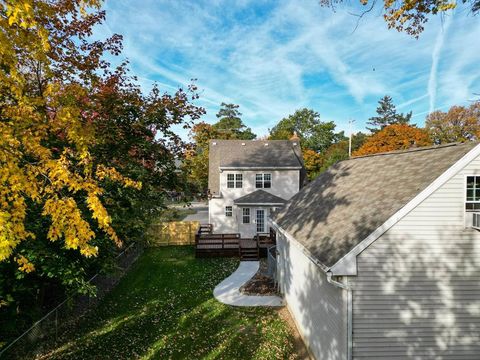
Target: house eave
307,253
258,204
222,168
347,265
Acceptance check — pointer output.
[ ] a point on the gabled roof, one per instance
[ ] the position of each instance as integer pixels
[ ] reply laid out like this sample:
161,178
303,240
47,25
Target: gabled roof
259,197
353,198
251,154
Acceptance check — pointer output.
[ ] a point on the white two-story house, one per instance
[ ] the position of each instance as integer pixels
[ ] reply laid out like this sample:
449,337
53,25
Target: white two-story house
248,179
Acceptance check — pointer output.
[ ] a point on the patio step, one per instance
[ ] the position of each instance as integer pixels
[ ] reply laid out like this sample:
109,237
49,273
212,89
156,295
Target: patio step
249,254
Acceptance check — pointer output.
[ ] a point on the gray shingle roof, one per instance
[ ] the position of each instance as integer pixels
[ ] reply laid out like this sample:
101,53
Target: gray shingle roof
259,197
349,201
253,154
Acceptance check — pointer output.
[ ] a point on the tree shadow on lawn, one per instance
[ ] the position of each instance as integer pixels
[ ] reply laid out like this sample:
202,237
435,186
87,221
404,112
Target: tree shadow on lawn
164,309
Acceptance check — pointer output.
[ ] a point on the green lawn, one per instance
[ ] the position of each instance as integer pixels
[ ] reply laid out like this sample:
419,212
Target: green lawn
164,309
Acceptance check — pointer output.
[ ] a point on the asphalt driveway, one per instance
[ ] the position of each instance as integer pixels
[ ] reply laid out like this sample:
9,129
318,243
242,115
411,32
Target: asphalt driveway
201,214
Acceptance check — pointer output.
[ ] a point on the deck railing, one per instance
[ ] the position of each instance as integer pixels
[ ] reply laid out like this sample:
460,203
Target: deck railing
217,241
208,243
205,229
264,240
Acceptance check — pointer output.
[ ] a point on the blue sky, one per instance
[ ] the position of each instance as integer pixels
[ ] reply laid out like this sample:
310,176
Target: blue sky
273,57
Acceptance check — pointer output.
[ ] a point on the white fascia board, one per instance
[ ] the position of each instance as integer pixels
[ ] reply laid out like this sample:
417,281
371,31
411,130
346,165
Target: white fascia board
347,265
260,168
259,204
307,253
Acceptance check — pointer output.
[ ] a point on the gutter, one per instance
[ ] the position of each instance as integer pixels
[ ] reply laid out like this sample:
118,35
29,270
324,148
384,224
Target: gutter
307,253
223,168
259,204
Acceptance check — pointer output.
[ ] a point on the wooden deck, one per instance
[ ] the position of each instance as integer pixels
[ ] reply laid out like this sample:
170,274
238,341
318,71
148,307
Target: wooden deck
208,244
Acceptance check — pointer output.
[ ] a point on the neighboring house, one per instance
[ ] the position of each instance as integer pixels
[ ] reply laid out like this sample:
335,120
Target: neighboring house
379,258
247,179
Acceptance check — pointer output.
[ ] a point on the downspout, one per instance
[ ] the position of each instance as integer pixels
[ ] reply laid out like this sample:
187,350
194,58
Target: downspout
348,289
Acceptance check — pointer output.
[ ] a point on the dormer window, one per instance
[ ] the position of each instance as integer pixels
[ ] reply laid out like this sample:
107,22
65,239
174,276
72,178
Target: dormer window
234,181
473,193
263,181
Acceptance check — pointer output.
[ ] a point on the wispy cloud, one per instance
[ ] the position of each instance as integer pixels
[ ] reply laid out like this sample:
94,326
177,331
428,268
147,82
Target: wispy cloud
432,82
274,57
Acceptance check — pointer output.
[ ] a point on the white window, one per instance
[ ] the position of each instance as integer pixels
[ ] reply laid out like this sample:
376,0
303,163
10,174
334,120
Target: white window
230,181
238,180
234,181
246,215
263,181
473,193
228,211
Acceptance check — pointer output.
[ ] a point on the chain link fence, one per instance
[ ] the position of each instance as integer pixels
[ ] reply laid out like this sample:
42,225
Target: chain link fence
49,329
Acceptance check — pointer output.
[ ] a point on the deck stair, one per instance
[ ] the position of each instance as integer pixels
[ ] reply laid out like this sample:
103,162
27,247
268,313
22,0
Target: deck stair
248,250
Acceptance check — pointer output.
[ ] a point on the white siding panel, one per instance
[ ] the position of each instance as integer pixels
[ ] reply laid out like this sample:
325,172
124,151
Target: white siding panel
318,307
285,184
417,293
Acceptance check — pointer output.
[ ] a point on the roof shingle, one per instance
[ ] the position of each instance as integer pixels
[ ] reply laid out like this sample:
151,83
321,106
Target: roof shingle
350,200
259,197
258,154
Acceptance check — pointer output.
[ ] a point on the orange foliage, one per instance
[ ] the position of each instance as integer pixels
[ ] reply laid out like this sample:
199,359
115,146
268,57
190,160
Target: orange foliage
313,162
394,137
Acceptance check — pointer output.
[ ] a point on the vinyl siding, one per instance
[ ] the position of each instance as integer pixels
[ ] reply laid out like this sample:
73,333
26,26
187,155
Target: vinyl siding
319,308
417,293
285,184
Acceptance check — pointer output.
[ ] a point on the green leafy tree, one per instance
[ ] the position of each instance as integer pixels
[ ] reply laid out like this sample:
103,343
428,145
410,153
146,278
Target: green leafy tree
339,151
358,140
230,125
313,133
387,115
89,155
195,164
335,153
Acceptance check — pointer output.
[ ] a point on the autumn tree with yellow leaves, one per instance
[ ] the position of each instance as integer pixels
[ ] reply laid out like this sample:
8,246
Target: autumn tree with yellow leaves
410,16
458,124
82,150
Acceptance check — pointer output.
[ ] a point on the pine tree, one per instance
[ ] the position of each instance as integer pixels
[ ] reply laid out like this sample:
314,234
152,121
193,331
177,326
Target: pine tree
387,115
231,125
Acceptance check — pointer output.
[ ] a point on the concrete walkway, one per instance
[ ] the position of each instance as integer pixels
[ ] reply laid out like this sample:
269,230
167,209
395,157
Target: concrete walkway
228,291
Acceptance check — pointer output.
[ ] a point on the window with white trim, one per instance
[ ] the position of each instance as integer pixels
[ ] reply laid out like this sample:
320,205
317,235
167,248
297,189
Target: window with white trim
229,211
263,181
234,181
473,193
246,215
238,180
